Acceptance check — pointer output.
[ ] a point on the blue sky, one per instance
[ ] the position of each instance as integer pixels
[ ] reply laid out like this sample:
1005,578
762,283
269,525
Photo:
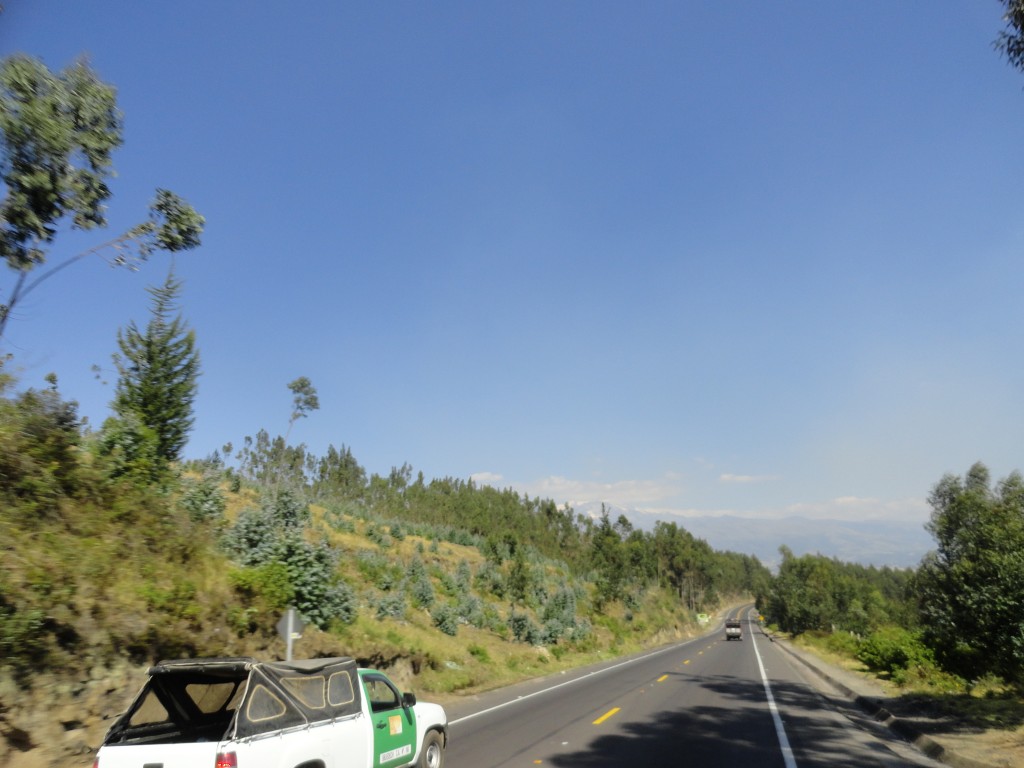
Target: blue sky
687,257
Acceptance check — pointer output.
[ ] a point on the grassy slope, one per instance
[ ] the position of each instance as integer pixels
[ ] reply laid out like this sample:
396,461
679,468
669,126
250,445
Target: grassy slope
139,581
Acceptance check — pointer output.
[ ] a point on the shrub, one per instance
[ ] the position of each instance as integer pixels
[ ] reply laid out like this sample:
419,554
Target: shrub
464,577
202,499
392,606
421,592
552,632
252,538
894,649
470,610
489,579
267,583
446,619
524,630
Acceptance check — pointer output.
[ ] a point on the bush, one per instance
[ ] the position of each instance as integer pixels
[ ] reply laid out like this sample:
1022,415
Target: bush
524,630
446,619
421,592
268,583
893,650
470,610
392,606
202,499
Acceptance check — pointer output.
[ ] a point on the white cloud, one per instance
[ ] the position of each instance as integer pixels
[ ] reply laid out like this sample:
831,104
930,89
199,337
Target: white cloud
667,512
656,496
626,493
744,479
487,478
856,508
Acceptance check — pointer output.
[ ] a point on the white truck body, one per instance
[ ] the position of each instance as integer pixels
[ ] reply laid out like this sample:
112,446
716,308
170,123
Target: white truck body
241,713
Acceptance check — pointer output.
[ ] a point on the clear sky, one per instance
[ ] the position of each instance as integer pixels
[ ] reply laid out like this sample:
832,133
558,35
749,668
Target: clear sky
687,257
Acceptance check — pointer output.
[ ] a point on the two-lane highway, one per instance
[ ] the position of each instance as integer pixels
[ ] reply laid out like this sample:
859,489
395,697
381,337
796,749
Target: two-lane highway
706,702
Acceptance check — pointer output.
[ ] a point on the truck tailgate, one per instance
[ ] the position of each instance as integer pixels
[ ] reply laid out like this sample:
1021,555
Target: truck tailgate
198,755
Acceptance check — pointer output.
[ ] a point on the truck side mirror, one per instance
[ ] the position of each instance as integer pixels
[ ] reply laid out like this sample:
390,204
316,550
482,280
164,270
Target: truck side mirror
408,699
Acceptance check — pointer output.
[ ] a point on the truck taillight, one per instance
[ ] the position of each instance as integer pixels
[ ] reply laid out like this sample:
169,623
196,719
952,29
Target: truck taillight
226,760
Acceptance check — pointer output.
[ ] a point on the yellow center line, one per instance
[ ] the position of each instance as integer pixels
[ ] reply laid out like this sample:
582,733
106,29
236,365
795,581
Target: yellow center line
663,678
606,715
686,662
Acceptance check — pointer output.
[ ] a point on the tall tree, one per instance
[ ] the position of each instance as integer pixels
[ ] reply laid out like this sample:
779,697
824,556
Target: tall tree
57,134
158,369
971,589
304,401
1011,40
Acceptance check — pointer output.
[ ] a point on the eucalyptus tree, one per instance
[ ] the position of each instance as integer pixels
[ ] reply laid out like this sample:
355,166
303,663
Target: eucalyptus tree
1011,40
971,588
58,132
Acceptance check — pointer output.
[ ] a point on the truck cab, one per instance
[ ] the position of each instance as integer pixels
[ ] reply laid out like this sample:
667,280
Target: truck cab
733,629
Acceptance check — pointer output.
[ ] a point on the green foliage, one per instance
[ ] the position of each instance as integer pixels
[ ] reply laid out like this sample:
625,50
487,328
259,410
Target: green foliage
470,610
524,630
202,499
490,580
520,579
391,605
815,593
304,400
272,463
421,592
21,639
39,441
158,369
130,449
268,583
1011,41
274,534
608,558
338,475
320,596
971,588
57,136
893,650
446,619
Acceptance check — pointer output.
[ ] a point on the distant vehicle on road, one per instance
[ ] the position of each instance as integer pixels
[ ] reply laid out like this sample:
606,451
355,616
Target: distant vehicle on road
733,629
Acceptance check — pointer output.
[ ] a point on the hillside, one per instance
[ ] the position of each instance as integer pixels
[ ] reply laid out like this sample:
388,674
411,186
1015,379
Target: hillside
112,563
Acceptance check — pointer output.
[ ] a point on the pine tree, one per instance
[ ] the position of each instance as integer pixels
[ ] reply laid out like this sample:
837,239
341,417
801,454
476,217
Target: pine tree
158,370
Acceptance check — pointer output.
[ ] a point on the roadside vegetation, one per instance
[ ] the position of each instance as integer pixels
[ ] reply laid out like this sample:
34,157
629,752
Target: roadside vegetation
114,551
948,637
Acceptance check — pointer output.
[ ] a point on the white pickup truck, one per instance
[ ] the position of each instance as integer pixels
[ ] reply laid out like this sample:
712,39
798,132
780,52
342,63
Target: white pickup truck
242,713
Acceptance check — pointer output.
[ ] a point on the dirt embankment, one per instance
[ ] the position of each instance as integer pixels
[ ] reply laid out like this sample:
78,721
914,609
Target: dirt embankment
60,721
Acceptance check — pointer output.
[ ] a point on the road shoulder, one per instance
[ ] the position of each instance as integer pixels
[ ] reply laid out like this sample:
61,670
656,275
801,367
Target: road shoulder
937,737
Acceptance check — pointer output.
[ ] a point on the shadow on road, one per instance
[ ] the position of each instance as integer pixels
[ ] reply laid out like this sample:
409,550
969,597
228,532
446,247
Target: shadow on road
740,728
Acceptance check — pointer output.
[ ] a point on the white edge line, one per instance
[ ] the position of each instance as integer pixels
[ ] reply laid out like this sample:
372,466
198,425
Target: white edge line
780,731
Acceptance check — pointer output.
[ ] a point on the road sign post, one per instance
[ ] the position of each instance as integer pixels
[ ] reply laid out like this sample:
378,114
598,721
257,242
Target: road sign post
290,628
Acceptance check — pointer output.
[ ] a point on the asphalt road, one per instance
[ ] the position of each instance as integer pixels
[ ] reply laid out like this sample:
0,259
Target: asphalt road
706,702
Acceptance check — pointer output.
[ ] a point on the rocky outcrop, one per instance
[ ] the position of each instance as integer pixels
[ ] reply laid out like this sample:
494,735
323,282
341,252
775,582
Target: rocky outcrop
60,720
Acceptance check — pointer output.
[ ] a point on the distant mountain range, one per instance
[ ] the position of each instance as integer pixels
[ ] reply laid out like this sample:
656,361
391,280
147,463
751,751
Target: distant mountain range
898,544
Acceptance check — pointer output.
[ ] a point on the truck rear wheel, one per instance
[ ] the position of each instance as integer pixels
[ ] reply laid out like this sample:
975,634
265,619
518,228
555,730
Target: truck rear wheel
432,755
